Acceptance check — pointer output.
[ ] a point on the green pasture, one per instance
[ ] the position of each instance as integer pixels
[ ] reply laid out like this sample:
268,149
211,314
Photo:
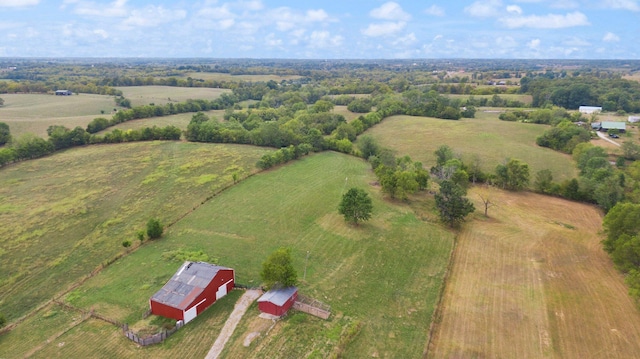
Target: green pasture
487,137
67,214
217,76
34,113
386,273
180,120
160,95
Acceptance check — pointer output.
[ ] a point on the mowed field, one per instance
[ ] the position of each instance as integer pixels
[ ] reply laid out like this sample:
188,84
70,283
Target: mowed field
532,281
180,120
160,95
487,137
66,214
34,113
382,279
526,99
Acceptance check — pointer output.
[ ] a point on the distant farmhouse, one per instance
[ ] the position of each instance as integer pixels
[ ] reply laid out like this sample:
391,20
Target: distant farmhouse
609,125
63,93
194,287
589,109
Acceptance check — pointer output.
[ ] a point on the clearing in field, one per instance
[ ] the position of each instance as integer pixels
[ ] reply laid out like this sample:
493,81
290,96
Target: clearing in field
381,279
160,95
532,281
488,138
526,99
34,113
66,214
180,120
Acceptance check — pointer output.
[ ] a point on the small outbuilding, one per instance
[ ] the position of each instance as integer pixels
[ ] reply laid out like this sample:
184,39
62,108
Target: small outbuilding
613,125
63,93
589,109
191,290
278,301
634,119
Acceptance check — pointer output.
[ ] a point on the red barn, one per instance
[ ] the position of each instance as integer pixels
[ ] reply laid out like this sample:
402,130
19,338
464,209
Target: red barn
194,287
278,301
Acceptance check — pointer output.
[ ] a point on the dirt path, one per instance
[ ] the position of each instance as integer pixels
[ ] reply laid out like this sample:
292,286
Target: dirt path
231,323
601,135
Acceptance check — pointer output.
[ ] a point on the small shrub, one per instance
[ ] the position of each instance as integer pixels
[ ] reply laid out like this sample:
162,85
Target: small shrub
3,320
154,228
126,243
140,235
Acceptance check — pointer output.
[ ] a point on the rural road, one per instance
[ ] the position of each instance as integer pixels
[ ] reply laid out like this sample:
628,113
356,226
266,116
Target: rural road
234,318
604,137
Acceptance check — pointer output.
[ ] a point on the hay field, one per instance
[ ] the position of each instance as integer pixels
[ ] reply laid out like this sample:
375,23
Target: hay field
180,120
532,281
160,95
385,274
34,113
66,214
486,136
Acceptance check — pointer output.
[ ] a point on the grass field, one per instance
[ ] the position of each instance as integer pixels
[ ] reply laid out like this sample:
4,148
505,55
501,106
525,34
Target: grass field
385,274
532,281
216,76
66,214
180,120
34,113
491,139
160,95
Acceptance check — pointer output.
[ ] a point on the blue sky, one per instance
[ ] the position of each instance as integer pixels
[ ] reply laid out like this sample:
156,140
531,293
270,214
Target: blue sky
347,29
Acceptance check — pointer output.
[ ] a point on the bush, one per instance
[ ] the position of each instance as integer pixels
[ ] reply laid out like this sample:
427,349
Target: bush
154,228
126,243
3,320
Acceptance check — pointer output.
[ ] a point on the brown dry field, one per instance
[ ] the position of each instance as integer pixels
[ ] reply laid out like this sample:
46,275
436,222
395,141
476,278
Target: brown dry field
532,281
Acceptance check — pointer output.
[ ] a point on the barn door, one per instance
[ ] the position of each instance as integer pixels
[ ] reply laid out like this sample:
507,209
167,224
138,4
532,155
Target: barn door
190,314
222,291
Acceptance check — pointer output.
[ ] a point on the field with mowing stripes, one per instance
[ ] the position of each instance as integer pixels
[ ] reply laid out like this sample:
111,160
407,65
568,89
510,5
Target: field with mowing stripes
160,95
490,139
385,274
34,113
532,281
66,214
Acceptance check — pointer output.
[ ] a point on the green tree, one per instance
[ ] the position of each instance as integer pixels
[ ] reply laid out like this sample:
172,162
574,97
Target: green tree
277,270
154,228
356,206
368,146
5,134
1,102
544,181
514,175
452,204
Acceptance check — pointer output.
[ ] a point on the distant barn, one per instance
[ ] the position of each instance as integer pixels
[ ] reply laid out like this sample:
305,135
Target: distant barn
278,301
63,93
589,109
609,125
194,287
634,119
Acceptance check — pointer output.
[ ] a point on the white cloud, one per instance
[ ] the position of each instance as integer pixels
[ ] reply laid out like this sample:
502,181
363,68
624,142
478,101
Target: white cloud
250,5
18,3
323,40
434,10
551,21
153,16
506,42
405,40
576,42
316,16
87,8
437,37
484,8
383,29
631,5
514,9
272,41
534,44
390,11
610,37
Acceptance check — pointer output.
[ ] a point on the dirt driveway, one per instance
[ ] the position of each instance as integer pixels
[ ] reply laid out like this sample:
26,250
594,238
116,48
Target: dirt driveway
230,325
